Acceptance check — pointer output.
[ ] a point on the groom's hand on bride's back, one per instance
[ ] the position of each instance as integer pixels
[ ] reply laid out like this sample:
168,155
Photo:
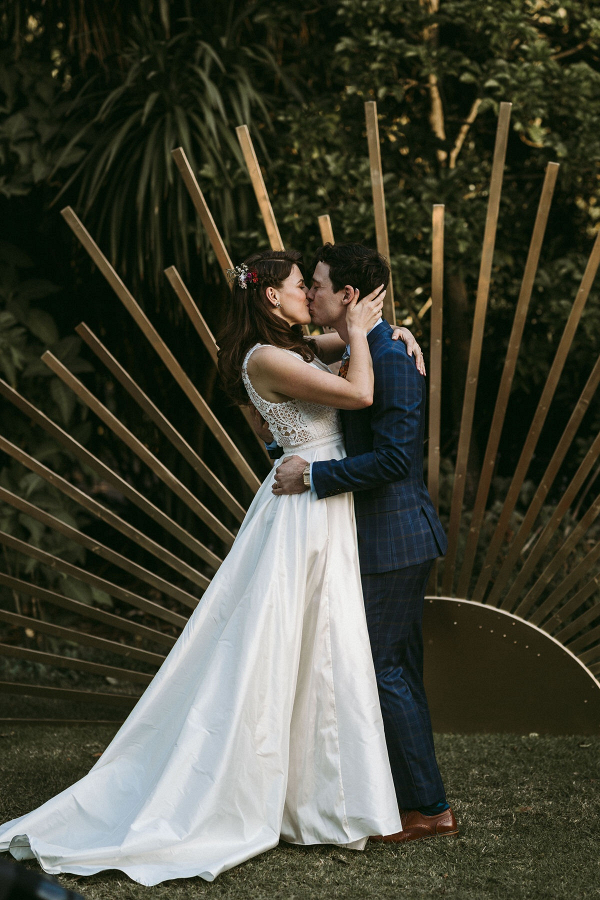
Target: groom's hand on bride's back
259,424
412,348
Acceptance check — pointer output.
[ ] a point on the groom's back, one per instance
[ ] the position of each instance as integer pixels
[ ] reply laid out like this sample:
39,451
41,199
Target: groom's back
396,521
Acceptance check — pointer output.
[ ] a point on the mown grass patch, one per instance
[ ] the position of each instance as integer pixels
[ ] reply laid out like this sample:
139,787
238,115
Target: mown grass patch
528,808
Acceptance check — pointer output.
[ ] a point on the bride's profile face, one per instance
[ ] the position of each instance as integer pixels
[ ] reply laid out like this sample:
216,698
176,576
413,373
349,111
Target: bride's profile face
292,297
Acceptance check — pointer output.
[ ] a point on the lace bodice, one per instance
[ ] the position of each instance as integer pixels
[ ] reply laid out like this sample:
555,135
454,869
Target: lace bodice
293,422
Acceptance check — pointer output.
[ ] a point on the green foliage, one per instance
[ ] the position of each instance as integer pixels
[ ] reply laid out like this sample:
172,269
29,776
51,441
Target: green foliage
26,331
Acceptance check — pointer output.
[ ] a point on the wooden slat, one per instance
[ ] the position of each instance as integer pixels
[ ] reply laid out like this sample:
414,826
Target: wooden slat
435,357
538,422
381,230
161,421
552,469
94,613
142,452
258,183
80,637
101,550
483,292
60,565
590,655
52,693
76,665
553,524
101,469
184,382
568,583
559,616
104,514
9,721
326,229
202,209
83,610
208,339
193,313
585,640
558,560
510,364
582,621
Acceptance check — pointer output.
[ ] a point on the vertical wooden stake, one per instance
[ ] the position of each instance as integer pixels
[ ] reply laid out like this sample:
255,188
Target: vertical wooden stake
381,231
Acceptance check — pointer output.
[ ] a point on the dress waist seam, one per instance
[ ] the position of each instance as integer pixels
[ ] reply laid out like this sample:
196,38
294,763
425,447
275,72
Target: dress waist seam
318,442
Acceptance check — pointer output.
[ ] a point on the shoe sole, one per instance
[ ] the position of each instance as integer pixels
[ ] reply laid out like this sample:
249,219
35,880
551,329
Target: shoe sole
425,837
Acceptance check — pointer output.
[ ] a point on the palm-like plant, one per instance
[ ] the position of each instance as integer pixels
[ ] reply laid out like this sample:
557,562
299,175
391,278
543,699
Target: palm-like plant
187,90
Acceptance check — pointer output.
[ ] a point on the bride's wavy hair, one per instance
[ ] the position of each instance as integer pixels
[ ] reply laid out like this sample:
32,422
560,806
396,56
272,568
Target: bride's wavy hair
251,319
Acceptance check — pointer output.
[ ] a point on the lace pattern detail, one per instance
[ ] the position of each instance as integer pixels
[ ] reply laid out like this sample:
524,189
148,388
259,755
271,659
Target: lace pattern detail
293,422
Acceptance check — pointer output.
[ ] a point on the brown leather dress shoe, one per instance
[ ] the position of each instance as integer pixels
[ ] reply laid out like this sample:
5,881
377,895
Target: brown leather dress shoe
416,827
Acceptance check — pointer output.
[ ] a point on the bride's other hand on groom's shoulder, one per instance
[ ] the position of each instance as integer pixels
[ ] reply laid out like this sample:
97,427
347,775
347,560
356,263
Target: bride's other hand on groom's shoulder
412,348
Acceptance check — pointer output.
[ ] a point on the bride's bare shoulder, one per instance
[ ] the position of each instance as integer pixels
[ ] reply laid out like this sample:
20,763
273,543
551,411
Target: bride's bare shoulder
270,358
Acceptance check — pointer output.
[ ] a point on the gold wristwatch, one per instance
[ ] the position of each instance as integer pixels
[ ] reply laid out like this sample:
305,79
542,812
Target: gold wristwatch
306,476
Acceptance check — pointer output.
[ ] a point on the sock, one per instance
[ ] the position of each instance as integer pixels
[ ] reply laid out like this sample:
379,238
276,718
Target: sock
434,809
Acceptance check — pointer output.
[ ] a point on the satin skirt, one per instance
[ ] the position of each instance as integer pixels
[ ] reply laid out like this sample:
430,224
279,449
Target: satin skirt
262,723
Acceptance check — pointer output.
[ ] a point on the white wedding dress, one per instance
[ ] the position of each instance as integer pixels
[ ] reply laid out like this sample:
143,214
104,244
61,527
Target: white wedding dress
262,723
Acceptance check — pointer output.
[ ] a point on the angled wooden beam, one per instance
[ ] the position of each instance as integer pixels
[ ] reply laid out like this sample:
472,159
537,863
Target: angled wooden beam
326,229
483,293
197,197
99,615
80,637
206,336
52,693
552,525
61,565
508,372
260,190
55,431
77,665
512,557
537,423
558,560
103,513
585,640
161,421
585,618
381,230
101,550
167,357
142,452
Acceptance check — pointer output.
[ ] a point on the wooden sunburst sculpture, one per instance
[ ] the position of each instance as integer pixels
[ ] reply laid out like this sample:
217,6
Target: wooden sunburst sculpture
513,646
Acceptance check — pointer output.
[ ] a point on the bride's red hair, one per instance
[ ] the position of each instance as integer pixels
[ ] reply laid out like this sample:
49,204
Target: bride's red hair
251,319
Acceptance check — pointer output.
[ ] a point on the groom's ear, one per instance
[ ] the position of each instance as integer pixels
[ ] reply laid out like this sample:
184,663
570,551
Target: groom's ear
348,294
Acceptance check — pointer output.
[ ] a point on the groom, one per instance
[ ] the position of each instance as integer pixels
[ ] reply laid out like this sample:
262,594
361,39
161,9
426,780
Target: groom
399,533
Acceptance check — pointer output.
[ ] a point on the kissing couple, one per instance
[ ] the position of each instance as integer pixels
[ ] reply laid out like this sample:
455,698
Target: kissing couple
292,705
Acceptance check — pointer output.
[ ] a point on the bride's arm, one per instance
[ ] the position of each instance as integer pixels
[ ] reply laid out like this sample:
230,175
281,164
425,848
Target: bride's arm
278,376
329,347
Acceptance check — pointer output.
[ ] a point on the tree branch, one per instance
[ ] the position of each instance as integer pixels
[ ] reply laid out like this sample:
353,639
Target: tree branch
464,130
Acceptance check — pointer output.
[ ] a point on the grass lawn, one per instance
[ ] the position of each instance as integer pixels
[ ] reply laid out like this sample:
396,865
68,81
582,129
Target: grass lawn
528,809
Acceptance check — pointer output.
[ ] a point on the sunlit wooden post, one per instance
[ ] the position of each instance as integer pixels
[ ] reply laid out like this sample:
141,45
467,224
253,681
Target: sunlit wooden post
483,292
326,229
381,229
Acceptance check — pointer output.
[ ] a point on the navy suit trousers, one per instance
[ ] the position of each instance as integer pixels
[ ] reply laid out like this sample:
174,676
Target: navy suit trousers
394,607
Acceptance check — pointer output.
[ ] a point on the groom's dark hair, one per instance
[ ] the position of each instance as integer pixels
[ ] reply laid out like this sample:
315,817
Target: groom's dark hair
354,264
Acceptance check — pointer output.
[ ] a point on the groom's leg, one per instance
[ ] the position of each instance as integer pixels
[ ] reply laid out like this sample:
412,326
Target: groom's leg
394,607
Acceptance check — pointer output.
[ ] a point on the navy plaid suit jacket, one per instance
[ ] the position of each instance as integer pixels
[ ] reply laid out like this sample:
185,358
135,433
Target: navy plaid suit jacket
396,521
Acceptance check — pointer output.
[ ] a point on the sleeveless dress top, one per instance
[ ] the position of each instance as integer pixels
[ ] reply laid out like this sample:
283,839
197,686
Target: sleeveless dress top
294,422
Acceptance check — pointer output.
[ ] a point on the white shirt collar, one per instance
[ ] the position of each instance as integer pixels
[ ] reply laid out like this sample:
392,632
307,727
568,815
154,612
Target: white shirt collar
378,322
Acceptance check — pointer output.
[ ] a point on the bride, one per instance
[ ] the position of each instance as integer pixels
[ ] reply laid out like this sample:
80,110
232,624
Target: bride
263,723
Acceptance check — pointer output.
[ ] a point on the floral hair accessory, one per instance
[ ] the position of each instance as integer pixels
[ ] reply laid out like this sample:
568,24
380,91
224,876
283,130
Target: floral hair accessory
243,275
